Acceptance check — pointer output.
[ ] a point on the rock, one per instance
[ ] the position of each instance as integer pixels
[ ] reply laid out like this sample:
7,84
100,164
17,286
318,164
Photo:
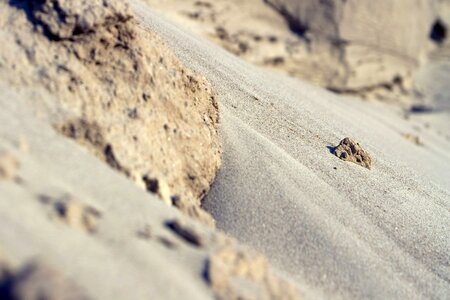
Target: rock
349,150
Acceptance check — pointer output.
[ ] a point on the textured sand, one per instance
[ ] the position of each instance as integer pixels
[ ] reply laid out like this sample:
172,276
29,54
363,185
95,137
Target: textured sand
340,230
361,48
119,91
73,226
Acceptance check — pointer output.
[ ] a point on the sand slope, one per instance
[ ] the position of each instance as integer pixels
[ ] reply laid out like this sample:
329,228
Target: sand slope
361,48
76,226
73,228
54,168
119,91
340,230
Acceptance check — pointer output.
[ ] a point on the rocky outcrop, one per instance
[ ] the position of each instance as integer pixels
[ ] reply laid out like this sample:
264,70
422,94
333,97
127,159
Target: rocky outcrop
118,90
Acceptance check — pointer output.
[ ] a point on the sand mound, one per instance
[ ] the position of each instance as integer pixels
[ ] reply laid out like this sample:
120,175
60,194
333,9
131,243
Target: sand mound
80,230
118,91
339,230
72,228
342,233
372,53
359,48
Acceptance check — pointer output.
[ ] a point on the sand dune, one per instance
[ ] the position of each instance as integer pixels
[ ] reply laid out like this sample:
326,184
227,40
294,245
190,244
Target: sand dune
358,48
97,113
334,226
329,228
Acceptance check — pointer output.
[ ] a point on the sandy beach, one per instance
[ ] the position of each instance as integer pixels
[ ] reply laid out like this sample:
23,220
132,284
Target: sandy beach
223,183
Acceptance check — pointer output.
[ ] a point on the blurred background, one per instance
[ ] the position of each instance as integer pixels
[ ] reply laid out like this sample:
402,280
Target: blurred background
397,52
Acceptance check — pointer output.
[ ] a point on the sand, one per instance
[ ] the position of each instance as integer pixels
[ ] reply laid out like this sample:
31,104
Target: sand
120,92
353,47
327,227
338,229
87,105
73,228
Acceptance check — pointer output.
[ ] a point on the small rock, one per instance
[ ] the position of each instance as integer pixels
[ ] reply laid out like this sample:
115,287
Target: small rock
349,150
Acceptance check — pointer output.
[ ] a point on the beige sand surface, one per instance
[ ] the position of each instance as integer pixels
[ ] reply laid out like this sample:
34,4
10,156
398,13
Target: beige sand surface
119,92
335,227
357,47
73,228
92,104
